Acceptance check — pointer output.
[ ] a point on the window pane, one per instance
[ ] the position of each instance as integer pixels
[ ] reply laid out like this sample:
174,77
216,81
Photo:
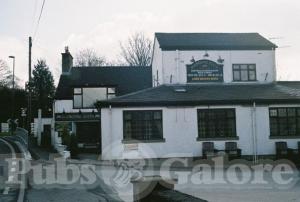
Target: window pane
244,72
91,95
77,90
127,116
291,112
157,115
212,114
298,126
298,111
111,90
202,129
251,67
273,126
244,75
77,101
282,112
244,67
147,116
230,113
157,129
283,127
211,129
273,112
252,75
144,125
127,128
292,126
218,123
202,114
237,67
231,128
284,121
236,75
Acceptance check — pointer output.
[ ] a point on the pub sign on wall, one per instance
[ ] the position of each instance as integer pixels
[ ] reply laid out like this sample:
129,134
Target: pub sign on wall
204,71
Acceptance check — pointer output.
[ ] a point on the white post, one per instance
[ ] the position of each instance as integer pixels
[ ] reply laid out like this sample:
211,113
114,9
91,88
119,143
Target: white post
53,138
39,127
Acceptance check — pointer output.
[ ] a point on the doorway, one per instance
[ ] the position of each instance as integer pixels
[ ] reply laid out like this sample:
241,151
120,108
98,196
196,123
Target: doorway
89,136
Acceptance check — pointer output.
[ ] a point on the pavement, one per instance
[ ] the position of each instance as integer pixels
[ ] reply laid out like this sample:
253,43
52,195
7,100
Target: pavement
42,154
42,191
10,190
113,184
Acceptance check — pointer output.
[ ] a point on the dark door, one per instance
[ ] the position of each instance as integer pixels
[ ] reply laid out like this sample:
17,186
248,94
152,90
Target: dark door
89,134
46,136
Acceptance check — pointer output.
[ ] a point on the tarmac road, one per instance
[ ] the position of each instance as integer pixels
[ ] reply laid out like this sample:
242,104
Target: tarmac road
9,192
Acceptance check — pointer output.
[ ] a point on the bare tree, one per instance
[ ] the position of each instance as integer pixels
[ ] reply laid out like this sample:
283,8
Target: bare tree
137,50
5,74
89,57
6,77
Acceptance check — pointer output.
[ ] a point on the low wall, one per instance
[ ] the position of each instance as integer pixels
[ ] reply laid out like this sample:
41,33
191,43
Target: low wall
22,136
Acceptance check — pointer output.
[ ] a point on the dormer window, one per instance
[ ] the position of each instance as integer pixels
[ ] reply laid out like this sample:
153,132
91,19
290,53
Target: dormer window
244,72
86,97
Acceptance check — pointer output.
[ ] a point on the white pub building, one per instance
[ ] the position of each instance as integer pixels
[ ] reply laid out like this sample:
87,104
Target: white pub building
206,88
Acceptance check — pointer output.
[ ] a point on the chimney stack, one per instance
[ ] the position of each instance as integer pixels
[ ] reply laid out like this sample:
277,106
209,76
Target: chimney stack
67,61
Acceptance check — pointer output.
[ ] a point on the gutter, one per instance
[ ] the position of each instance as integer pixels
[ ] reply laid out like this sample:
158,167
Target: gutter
166,103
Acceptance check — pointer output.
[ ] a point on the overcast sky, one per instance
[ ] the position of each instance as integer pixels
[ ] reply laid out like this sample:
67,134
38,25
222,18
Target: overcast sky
101,24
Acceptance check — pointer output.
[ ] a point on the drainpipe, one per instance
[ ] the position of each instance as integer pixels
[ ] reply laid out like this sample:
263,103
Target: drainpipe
110,133
163,69
177,66
254,133
39,127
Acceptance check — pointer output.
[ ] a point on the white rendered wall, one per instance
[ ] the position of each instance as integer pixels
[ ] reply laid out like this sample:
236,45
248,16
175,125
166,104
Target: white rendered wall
44,121
174,63
180,133
157,63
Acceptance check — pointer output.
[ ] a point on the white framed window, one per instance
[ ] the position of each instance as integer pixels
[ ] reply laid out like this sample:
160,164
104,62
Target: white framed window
88,96
244,72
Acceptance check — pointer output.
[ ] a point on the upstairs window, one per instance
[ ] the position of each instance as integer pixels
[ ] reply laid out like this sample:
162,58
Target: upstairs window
284,122
244,72
143,125
86,97
77,98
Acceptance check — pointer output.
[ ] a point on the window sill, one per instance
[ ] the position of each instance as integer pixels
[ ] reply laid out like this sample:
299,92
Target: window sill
250,81
217,139
84,108
142,141
284,137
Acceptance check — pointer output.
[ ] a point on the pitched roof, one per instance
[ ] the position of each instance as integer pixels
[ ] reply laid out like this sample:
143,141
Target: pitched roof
213,41
126,79
209,94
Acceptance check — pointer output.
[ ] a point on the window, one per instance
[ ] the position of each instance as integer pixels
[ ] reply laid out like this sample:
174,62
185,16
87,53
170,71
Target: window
244,72
216,123
77,98
143,125
91,95
86,97
284,121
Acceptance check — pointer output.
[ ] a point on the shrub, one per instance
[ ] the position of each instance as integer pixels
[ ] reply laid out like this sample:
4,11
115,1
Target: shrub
65,136
73,146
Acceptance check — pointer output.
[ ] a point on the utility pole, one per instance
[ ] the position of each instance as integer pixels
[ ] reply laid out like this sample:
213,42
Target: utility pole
13,88
29,88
